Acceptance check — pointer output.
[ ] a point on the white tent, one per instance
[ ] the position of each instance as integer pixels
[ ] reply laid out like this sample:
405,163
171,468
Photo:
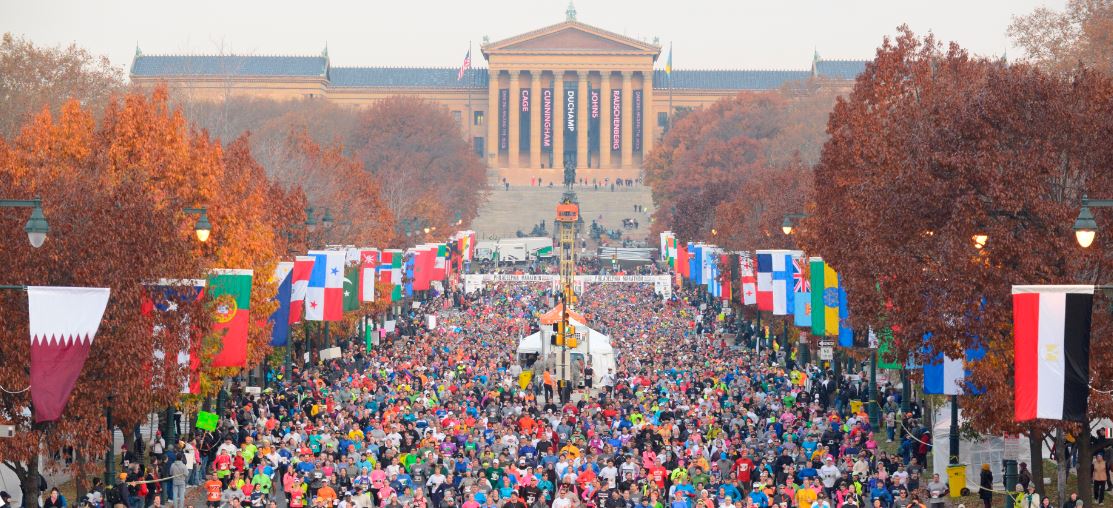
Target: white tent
987,450
601,352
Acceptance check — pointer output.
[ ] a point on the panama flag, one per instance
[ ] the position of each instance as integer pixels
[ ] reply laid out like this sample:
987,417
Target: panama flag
747,278
1051,325
802,290
324,297
369,261
782,282
299,285
764,280
63,323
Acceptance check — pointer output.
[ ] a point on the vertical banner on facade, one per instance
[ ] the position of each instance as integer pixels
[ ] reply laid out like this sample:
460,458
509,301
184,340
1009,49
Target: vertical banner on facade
593,122
571,120
523,119
504,118
616,119
637,111
547,119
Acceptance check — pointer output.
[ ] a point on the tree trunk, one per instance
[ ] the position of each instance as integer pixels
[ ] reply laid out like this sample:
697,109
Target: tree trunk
1035,449
1061,472
28,483
1085,475
79,476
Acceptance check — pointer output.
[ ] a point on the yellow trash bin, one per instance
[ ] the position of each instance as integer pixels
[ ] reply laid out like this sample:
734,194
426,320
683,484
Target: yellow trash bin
855,406
956,479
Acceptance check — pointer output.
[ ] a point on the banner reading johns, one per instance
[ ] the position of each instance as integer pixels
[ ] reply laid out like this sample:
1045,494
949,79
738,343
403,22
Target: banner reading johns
504,118
593,122
547,119
616,119
523,119
637,104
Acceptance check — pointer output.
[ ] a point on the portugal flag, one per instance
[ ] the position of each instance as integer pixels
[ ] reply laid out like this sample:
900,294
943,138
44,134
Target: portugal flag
1051,325
231,292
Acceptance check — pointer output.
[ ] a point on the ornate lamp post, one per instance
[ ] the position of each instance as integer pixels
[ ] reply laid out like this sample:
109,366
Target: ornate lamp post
36,227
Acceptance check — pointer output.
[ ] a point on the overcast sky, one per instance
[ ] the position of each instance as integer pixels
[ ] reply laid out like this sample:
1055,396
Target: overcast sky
738,34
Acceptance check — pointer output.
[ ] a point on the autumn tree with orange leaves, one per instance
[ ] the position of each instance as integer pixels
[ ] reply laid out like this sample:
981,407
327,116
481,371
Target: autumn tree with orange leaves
113,194
933,146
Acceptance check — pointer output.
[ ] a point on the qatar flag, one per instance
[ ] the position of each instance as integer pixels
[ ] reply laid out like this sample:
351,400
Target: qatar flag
64,322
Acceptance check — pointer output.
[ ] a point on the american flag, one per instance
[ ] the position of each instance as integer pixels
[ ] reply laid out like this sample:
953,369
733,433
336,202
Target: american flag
466,65
801,275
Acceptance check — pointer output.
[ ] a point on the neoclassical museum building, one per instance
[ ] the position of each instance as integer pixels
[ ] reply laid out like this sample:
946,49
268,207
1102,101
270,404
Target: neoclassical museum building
598,98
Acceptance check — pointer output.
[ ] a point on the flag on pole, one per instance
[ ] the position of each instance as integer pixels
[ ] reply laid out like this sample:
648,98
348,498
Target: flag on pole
280,319
390,272
299,285
351,287
816,268
782,281
668,63
465,66
369,262
802,290
764,280
165,296
944,375
63,322
747,278
846,333
324,297
231,292
1051,326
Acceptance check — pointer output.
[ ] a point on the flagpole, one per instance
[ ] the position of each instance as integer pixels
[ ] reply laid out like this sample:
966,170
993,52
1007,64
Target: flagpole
668,124
470,120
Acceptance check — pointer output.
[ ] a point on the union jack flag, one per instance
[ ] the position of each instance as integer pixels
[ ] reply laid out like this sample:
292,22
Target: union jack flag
801,275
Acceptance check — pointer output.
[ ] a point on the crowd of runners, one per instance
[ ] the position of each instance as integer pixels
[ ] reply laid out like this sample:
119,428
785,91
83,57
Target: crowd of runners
696,414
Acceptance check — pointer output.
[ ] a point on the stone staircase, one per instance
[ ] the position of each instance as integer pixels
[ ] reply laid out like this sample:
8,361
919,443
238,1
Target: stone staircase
520,208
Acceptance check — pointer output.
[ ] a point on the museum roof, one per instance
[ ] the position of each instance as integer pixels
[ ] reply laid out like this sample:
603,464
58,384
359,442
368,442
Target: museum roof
168,66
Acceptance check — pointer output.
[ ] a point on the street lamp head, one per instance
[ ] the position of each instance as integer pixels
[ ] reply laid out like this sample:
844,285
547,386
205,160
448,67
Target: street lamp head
426,230
1085,227
714,232
37,227
310,222
202,228
786,226
326,221
980,238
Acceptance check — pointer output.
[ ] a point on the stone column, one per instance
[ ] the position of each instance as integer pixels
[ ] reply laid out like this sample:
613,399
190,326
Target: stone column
627,117
558,119
584,106
649,116
492,119
535,119
605,127
513,154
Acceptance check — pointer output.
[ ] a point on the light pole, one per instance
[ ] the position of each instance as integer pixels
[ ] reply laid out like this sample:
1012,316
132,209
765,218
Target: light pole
202,228
1085,227
36,227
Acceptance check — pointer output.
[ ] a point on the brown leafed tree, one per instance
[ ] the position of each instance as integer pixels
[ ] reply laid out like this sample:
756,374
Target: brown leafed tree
32,77
934,146
1061,41
426,169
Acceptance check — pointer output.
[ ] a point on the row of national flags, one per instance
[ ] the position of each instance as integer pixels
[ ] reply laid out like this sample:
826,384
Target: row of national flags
1051,323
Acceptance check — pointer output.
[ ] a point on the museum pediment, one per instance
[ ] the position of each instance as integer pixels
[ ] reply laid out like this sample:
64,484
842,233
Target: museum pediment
571,37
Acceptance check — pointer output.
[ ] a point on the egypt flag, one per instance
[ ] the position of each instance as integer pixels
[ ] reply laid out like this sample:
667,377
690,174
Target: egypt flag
63,323
765,279
369,261
230,291
299,285
1051,325
324,297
